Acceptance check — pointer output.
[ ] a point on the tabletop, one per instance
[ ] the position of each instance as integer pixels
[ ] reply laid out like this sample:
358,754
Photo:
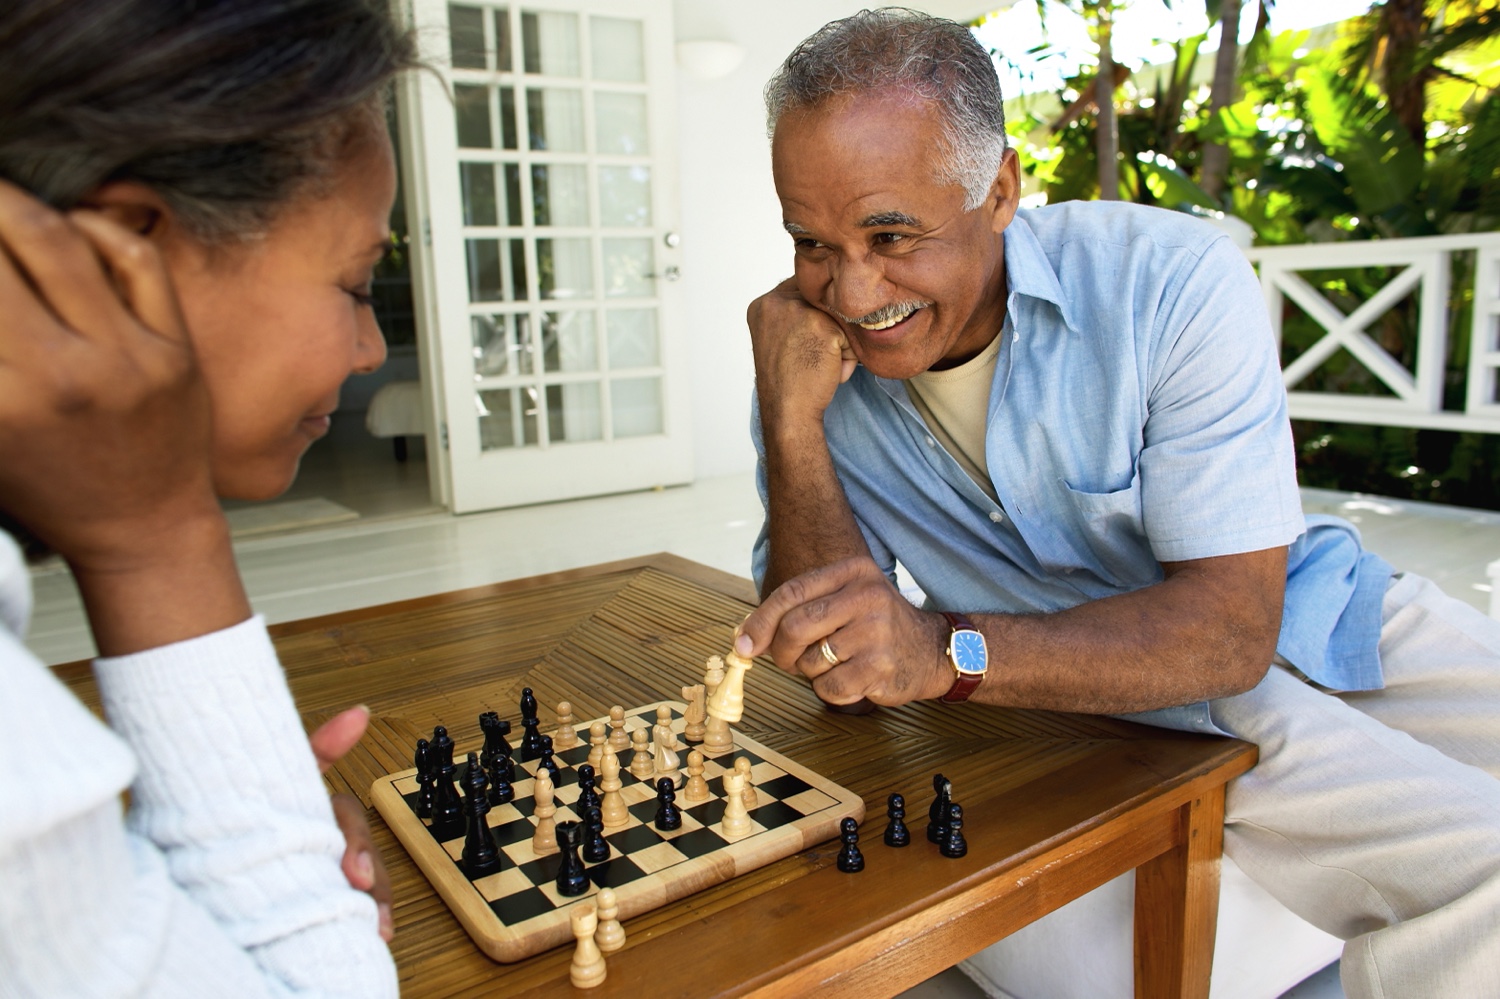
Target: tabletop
1054,804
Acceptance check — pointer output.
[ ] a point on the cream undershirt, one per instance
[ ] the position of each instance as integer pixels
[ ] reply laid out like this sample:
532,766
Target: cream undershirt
955,404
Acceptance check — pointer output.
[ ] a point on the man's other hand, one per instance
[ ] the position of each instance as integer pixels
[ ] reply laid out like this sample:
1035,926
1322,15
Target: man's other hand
888,651
801,355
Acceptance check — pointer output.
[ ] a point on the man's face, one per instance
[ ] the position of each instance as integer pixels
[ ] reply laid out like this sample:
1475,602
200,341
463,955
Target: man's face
881,245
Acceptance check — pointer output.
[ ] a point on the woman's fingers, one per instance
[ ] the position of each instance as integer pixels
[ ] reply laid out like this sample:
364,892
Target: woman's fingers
362,866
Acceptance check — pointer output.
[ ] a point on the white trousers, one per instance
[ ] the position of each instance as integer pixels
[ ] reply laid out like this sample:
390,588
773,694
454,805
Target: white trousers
1375,815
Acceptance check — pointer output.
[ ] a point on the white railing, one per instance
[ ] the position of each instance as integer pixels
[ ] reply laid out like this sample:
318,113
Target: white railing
1417,399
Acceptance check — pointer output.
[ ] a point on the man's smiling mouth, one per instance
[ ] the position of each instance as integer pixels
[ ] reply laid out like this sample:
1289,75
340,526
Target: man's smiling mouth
886,317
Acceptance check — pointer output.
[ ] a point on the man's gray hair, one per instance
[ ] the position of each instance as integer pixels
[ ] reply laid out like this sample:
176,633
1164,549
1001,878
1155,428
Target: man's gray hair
894,48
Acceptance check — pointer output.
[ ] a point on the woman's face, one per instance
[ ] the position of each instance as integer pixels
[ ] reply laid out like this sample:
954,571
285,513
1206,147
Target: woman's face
279,321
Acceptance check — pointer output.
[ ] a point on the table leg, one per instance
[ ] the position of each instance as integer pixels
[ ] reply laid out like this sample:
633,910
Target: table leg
1177,906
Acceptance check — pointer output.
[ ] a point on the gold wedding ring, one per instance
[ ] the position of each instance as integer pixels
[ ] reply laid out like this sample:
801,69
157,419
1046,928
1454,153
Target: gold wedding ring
828,653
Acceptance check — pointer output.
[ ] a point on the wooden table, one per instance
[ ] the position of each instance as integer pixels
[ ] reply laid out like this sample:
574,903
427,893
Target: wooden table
1054,805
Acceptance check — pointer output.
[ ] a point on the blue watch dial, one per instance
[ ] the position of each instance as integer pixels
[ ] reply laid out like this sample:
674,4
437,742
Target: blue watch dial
969,654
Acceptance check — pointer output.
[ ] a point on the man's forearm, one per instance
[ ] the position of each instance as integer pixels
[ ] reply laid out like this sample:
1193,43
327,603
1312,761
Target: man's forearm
808,517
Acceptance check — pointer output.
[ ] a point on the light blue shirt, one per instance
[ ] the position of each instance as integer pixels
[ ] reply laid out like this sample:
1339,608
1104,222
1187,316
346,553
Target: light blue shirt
1137,418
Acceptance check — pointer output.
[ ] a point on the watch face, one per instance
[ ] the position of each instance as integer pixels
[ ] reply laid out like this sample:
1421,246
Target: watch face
968,652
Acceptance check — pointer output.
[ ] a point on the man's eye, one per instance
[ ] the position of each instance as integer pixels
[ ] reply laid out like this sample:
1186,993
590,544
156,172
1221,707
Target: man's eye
806,243
889,237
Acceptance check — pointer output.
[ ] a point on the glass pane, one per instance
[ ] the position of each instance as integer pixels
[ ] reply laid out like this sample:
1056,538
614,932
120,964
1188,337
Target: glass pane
466,36
550,41
568,342
502,345
624,195
627,269
560,194
620,124
502,39
573,413
619,52
501,413
497,270
471,108
479,193
564,268
632,338
508,132
635,406
555,118
512,193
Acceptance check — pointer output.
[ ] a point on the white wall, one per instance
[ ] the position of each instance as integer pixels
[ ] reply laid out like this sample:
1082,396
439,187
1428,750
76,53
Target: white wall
733,245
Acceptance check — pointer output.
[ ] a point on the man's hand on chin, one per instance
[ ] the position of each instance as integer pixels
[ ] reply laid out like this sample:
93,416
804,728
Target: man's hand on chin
801,354
886,650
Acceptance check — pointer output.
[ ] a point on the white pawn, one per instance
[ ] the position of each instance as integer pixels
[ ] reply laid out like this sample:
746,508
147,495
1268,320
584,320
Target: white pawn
742,767
697,787
618,738
544,840
642,764
612,808
566,737
588,968
597,739
736,821
610,936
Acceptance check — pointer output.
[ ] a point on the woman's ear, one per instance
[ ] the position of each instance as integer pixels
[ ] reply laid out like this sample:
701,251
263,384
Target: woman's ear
131,204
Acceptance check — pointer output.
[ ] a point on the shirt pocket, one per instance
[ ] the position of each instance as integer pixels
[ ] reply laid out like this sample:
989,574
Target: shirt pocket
1104,536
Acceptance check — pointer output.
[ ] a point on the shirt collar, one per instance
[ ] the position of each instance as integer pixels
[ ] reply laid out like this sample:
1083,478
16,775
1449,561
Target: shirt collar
1028,270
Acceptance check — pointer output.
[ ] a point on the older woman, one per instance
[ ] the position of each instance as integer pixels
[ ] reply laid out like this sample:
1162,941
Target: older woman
192,200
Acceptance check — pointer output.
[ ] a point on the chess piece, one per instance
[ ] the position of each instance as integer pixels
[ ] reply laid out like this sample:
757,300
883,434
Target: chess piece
595,849
736,821
668,815
642,764
697,787
618,737
481,856
850,861
531,738
501,776
937,814
742,767
567,736
588,968
547,763
728,701
442,748
954,844
447,807
495,745
667,760
896,833
426,778
588,797
597,739
612,806
693,728
572,878
544,840
610,936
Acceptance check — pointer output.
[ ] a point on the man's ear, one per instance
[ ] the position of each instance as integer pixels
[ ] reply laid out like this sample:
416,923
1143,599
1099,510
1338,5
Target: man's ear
1005,192
133,205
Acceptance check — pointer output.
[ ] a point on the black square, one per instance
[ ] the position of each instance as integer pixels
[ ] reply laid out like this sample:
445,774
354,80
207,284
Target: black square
542,870
521,906
785,786
509,833
615,872
708,812
635,838
774,814
699,842
577,756
645,810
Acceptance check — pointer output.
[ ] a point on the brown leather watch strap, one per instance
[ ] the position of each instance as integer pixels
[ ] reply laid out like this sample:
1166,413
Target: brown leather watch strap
966,683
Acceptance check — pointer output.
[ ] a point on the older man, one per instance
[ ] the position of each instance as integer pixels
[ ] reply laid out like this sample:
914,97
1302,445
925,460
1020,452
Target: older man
1068,424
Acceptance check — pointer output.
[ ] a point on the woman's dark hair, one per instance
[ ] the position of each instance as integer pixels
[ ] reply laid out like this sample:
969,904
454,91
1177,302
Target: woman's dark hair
225,108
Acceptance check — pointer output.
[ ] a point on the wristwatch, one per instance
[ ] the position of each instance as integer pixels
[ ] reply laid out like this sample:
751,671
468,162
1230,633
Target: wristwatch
967,653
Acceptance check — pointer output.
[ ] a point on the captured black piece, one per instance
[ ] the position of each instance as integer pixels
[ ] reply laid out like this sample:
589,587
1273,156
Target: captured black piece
937,815
850,861
954,844
896,833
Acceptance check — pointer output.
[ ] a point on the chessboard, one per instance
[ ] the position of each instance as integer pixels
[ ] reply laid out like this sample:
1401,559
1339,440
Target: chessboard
519,911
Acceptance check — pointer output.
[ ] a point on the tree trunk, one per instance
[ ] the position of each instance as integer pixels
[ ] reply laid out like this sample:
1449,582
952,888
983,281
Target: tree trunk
1107,131
1216,155
1405,27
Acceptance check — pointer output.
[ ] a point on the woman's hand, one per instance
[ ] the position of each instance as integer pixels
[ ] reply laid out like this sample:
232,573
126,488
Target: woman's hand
362,864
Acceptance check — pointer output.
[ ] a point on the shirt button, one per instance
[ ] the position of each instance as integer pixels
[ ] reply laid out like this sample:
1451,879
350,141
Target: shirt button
931,442
996,516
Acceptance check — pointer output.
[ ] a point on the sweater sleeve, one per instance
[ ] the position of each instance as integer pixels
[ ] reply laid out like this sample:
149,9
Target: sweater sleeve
223,878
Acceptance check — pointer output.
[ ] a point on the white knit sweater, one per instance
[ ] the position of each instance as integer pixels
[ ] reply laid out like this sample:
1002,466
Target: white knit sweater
222,880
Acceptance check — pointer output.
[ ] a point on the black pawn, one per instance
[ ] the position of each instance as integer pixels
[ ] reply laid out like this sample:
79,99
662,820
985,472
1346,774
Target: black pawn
572,879
937,815
426,778
442,749
896,833
953,844
668,815
595,849
531,738
501,793
481,856
850,861
495,746
547,763
447,807
587,796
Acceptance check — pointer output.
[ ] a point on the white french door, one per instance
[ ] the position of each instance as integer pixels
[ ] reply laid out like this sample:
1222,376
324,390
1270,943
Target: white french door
547,191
